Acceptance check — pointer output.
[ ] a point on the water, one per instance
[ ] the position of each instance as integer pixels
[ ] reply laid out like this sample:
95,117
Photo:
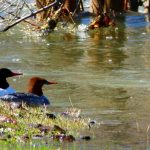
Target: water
105,73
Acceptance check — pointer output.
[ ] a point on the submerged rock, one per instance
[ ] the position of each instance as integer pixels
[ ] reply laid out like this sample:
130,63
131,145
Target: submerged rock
63,138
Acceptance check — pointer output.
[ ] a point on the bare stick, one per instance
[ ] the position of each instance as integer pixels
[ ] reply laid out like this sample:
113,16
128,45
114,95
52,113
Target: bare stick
28,16
78,5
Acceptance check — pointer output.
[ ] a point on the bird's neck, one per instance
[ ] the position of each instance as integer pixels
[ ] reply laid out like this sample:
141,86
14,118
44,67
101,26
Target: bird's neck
36,90
3,83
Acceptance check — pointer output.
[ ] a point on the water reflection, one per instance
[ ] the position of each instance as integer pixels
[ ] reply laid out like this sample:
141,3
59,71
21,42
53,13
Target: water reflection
99,52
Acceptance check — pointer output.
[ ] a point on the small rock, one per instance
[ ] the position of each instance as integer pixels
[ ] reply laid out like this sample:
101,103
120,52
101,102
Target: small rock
25,138
51,116
58,129
56,137
63,138
6,119
38,136
8,136
91,123
87,138
68,138
44,129
52,24
38,125
3,138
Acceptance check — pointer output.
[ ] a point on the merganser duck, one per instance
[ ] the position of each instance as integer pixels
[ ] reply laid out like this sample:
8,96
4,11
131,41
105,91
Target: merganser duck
34,96
5,88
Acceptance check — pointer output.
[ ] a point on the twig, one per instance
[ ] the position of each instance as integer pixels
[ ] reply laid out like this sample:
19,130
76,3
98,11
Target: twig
17,17
78,5
39,3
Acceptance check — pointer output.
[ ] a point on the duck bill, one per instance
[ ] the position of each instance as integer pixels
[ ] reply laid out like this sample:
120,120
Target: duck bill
16,74
52,82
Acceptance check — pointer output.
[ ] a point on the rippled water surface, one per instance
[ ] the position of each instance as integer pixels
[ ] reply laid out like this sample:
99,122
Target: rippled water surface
105,73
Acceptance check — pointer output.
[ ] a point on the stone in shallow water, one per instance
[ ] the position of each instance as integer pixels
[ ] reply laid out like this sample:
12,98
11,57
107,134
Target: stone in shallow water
92,123
87,138
63,138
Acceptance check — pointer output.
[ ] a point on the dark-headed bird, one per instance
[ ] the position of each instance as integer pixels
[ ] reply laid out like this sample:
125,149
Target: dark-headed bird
5,88
34,95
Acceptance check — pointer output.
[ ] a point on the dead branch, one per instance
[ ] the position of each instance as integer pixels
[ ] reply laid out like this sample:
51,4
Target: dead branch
28,16
78,6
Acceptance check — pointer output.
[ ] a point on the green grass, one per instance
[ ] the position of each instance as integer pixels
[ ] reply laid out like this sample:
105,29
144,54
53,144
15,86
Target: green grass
25,123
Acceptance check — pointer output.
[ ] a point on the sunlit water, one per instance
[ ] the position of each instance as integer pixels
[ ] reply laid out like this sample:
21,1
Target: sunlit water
105,73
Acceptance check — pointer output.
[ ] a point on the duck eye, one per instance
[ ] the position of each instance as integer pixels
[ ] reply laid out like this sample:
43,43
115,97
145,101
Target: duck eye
46,82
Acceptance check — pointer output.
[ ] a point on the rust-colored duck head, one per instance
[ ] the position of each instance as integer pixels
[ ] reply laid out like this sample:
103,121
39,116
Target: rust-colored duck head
36,83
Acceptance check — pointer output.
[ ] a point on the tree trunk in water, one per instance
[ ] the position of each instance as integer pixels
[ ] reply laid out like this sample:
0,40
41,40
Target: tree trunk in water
146,5
118,5
98,6
133,5
70,5
95,6
107,6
